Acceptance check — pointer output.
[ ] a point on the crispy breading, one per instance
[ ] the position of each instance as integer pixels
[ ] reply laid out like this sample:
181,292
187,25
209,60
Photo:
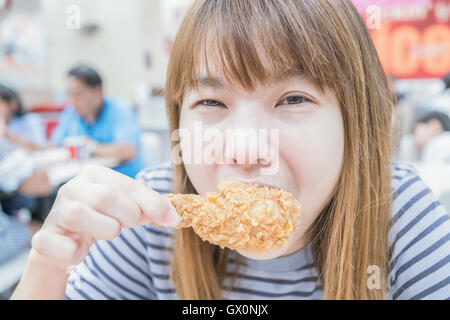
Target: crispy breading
240,216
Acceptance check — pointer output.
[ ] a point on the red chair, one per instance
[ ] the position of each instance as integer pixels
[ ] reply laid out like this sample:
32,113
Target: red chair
50,115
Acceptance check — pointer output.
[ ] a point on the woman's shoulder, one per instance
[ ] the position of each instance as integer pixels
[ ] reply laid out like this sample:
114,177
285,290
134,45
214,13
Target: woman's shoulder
158,177
412,198
418,240
408,188
400,172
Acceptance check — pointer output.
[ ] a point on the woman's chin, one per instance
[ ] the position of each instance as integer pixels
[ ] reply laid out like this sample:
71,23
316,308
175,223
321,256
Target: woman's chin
262,256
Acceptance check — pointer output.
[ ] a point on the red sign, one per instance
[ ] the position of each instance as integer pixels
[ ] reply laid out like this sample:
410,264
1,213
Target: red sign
4,4
412,36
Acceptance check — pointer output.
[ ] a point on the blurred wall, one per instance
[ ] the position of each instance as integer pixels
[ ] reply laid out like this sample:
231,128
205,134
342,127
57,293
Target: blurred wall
128,31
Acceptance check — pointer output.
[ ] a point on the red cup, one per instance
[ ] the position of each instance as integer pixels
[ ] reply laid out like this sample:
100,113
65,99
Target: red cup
73,152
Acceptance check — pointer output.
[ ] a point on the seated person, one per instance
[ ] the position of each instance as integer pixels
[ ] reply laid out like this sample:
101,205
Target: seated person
432,137
20,181
14,237
111,125
441,100
25,130
17,174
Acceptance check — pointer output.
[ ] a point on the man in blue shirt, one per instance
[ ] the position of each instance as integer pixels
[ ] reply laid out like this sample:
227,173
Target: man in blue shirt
110,124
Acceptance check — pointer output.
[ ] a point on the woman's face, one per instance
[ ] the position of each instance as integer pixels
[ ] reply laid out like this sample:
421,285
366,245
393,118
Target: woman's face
305,158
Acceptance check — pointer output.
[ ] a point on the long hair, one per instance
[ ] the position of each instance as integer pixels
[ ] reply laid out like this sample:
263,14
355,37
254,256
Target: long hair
329,43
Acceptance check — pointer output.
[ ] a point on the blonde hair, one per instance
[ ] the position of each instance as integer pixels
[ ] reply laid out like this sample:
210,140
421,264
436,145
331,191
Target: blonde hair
327,42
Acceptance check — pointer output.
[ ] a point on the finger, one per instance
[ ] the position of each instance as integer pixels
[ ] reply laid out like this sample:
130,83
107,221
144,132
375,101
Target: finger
77,217
112,202
55,247
105,199
153,206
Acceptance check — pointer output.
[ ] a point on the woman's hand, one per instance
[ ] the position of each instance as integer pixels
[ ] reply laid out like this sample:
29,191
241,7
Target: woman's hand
95,205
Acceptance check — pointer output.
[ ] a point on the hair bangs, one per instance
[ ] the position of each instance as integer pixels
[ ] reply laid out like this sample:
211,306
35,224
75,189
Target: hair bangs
252,42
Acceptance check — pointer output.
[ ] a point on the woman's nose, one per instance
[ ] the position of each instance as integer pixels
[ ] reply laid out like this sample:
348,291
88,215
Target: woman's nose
247,147
249,141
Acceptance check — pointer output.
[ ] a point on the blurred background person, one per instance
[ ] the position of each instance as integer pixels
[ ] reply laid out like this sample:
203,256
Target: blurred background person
432,137
19,178
25,130
109,127
20,183
441,100
14,237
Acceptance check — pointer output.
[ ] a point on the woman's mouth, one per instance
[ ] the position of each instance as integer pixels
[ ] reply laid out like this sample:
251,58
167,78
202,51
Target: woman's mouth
262,185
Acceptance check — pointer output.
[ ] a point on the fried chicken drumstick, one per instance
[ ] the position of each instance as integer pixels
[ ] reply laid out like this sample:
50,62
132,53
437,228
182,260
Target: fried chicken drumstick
240,216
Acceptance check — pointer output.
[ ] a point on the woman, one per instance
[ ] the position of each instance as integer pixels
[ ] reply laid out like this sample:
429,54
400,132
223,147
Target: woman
24,130
308,70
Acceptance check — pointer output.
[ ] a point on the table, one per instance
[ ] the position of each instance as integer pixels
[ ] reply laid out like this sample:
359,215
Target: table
60,168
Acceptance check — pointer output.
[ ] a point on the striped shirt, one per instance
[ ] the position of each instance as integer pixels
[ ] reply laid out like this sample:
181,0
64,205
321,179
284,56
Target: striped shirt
136,265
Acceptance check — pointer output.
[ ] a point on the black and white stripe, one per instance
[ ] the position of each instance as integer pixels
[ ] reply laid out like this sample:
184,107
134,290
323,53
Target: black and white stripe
136,265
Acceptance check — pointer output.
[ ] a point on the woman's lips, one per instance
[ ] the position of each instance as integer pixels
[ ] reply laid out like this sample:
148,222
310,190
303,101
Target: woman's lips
261,184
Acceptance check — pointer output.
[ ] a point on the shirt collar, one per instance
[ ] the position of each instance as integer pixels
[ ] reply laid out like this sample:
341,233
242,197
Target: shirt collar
100,113
292,262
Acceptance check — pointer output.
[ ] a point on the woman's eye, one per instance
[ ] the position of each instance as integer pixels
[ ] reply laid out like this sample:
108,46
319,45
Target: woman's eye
292,100
210,103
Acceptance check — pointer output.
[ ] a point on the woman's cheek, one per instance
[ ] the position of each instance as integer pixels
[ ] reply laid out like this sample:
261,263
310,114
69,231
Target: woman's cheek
314,154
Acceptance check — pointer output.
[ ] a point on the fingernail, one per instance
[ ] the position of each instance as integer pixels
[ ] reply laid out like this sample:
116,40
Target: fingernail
172,219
